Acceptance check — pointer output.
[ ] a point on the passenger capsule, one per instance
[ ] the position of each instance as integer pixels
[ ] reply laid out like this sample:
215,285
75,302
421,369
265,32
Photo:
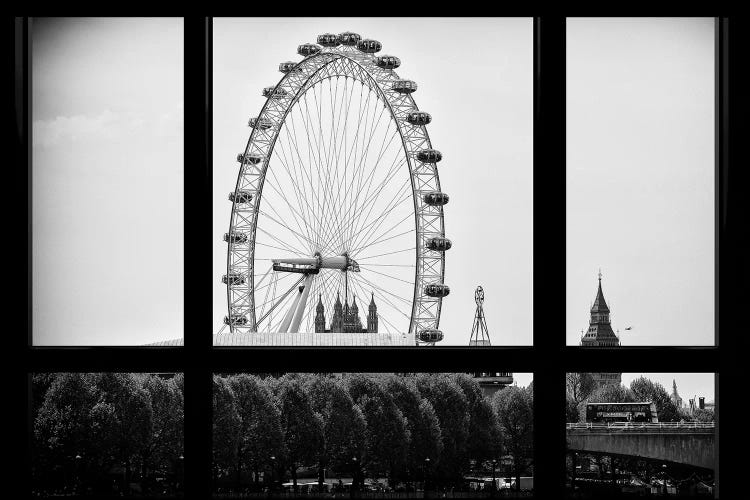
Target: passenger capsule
419,118
235,237
435,199
249,158
430,335
241,196
308,49
273,92
404,86
235,320
429,156
329,40
287,67
439,244
348,38
260,123
369,46
388,62
437,290
233,279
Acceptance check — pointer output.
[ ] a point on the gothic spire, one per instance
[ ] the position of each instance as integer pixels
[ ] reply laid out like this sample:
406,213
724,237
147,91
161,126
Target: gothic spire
600,305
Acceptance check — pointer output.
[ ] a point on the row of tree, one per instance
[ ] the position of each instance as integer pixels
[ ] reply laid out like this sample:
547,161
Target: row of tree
405,427
90,428
581,389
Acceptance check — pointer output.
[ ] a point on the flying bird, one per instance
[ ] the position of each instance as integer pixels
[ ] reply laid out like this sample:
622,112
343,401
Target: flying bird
629,328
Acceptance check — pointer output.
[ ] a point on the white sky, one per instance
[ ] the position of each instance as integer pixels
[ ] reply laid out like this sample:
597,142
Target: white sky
475,79
107,180
640,177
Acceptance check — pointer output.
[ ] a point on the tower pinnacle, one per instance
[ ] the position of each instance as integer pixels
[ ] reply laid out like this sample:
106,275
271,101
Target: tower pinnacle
480,335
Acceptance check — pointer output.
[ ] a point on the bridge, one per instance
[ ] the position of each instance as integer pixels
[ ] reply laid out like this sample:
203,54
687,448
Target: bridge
689,443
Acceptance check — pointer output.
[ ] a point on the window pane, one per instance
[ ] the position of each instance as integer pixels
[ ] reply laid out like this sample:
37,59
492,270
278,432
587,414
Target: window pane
640,181
377,432
107,180
641,433
107,434
336,183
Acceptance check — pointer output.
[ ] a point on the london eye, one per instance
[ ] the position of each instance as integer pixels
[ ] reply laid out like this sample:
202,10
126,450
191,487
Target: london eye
338,205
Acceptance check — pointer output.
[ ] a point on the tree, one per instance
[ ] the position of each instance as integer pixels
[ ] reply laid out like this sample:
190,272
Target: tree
126,407
611,393
226,426
515,411
167,438
344,424
451,408
302,426
422,423
647,390
66,426
260,435
387,437
578,387
484,441
704,415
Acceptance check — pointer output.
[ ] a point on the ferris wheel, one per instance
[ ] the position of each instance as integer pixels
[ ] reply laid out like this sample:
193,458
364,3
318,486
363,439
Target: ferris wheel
337,200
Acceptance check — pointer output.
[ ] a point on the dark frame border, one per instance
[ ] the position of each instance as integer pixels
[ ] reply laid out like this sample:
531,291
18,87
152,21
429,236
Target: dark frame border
549,358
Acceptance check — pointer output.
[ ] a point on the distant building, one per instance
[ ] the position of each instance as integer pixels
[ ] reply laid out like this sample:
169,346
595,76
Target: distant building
345,317
675,396
600,334
492,382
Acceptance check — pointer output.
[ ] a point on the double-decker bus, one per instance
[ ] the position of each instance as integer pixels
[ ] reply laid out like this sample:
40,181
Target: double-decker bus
621,412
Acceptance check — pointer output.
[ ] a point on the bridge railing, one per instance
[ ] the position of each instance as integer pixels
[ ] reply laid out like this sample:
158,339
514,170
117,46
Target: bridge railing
655,426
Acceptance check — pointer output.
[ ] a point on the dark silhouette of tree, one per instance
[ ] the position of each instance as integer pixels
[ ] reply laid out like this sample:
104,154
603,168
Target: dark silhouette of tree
452,410
226,427
422,423
387,437
166,444
126,407
302,426
485,439
344,423
578,387
515,410
647,390
67,426
260,429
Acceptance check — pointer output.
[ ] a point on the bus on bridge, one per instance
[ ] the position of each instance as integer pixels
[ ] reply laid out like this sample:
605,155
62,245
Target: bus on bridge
621,412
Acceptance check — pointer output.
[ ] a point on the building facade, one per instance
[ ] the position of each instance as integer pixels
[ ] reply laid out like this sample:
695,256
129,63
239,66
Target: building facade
600,334
346,317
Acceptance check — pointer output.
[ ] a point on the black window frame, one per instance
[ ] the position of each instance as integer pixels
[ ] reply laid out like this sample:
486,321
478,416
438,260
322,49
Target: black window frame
549,358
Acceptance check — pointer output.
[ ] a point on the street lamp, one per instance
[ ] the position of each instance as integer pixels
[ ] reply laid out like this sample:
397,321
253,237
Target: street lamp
78,473
354,477
494,465
273,470
664,477
426,465
181,468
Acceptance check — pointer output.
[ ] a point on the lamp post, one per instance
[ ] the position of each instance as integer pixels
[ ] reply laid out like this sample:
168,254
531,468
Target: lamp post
273,470
494,465
664,478
181,471
426,466
78,473
355,475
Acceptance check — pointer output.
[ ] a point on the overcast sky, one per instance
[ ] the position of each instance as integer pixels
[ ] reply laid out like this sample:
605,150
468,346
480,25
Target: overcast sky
107,180
640,177
475,79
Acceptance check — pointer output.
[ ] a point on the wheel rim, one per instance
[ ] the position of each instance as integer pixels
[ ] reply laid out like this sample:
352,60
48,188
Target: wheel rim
272,145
